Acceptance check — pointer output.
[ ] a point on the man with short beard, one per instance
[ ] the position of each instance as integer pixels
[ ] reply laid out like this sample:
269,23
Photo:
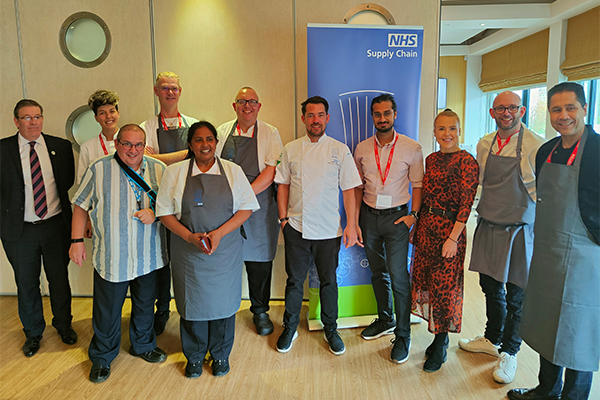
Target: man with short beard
503,239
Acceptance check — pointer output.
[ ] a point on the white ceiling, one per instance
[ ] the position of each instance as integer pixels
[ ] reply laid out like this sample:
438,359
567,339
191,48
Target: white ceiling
464,19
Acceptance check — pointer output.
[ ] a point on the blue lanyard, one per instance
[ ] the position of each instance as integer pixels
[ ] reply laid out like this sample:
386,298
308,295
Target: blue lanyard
137,190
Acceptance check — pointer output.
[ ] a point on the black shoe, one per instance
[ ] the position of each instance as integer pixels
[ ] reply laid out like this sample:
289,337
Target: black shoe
99,373
400,349
378,328
528,394
429,349
160,321
193,370
220,367
68,336
264,326
436,359
153,356
284,343
31,346
336,344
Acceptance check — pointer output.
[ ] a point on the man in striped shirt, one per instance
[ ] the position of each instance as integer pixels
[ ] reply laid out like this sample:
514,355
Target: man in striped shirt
128,248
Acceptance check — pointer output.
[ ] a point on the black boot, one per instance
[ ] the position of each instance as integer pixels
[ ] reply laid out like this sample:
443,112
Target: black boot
432,345
438,353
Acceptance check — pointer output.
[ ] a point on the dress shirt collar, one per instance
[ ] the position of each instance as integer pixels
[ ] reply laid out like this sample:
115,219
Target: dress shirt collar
22,141
387,144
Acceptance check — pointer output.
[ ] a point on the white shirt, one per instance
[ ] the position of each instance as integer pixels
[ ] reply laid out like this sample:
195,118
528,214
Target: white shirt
52,200
529,147
170,194
269,146
315,173
150,126
406,167
92,150
123,248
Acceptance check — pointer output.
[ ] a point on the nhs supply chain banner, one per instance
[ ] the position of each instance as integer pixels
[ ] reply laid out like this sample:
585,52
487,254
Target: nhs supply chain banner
349,65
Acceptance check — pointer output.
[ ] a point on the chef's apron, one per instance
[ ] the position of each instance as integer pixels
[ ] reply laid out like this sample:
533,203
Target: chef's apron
207,287
174,139
561,310
506,211
261,228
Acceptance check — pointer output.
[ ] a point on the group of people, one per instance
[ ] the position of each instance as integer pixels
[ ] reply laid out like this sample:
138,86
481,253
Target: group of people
229,190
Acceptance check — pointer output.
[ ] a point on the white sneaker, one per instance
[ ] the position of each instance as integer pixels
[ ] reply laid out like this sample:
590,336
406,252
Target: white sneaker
479,344
415,320
506,368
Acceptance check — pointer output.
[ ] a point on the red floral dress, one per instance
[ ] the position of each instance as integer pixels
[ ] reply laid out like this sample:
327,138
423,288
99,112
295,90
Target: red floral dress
450,184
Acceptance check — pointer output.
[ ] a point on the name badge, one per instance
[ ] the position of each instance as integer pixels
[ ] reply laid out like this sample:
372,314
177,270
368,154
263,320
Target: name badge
198,198
384,201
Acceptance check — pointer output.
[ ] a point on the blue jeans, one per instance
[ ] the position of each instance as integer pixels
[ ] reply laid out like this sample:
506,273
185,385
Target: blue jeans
577,384
503,312
386,246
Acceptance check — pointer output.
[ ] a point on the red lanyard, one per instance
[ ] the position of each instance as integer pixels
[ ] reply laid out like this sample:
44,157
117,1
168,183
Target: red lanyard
102,144
500,145
389,161
571,157
165,127
239,130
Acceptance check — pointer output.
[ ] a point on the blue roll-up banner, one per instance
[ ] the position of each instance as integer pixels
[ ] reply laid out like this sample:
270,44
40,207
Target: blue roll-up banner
349,65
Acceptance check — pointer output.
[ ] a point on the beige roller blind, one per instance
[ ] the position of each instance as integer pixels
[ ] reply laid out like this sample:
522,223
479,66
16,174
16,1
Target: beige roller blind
521,63
582,52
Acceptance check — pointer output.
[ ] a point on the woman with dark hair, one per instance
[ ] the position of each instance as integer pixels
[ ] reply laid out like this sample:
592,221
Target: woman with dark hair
449,187
203,201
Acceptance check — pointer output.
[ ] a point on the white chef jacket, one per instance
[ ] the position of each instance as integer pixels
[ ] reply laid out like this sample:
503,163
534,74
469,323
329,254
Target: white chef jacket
150,126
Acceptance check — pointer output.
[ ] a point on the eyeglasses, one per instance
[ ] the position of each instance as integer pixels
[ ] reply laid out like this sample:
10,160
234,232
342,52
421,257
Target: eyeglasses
242,102
502,109
386,114
29,118
128,146
167,89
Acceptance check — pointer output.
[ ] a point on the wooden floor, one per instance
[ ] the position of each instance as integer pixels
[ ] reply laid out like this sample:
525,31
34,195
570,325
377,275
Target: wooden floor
258,371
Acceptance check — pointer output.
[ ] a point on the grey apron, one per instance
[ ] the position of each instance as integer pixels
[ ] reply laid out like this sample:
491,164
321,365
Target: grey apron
261,228
207,287
561,310
172,140
503,239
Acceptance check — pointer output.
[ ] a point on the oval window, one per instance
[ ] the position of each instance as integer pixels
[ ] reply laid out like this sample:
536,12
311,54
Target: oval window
82,126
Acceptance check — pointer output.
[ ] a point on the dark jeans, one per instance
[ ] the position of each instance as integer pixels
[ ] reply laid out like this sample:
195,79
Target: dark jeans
47,242
386,245
503,312
299,255
198,337
259,285
106,317
577,384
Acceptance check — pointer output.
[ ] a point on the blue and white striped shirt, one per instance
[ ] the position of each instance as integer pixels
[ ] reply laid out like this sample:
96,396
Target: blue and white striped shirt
123,248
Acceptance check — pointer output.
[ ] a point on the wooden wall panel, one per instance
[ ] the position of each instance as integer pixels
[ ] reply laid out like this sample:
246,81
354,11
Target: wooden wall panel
454,69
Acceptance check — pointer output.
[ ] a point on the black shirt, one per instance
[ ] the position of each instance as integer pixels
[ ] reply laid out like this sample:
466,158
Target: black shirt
589,176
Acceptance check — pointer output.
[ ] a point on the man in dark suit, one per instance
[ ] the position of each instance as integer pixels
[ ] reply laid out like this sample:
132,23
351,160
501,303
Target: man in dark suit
35,221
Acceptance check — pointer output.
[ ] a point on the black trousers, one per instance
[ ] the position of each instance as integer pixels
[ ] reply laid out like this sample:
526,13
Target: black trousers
299,255
163,282
259,285
48,242
198,337
106,316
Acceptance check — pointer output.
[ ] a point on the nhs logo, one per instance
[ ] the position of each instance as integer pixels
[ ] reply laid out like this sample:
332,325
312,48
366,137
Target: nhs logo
402,40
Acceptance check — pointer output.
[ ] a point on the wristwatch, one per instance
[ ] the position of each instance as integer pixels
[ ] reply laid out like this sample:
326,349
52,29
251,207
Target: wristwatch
414,214
280,221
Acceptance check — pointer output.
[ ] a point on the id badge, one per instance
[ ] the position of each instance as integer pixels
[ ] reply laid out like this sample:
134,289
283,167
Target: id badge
198,198
383,201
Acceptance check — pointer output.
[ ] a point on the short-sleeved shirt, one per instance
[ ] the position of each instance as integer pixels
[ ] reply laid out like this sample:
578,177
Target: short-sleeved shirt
150,126
406,168
92,150
269,145
168,201
316,172
531,144
124,248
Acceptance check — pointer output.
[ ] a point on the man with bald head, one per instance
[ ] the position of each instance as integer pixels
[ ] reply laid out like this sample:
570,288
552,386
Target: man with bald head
503,240
256,147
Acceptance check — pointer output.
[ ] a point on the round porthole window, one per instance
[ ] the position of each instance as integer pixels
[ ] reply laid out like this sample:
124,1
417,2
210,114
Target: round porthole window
85,39
82,126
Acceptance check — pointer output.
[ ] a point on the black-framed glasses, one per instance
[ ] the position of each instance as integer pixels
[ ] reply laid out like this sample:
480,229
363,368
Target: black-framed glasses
501,109
128,145
242,102
29,118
